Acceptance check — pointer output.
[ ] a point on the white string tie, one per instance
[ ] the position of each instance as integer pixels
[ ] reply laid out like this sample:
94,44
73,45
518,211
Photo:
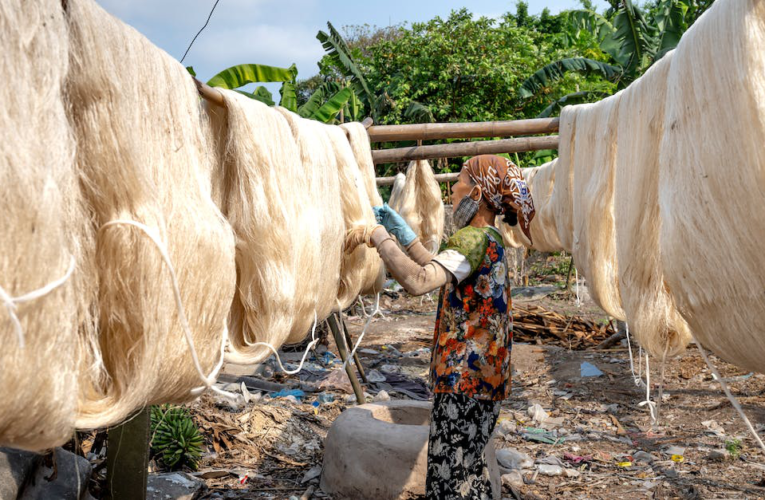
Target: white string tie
207,380
363,332
578,298
308,348
10,302
730,396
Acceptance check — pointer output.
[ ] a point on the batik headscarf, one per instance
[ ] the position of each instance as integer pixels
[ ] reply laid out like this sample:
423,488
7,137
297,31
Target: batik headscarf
501,183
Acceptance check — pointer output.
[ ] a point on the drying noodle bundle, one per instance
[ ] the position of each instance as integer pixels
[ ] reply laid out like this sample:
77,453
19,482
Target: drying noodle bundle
712,181
420,204
322,251
561,199
362,151
512,236
594,165
40,227
360,270
398,187
648,307
144,161
544,233
265,196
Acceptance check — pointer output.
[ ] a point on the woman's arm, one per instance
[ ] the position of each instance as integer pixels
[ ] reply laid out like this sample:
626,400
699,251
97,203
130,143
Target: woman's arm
418,253
418,276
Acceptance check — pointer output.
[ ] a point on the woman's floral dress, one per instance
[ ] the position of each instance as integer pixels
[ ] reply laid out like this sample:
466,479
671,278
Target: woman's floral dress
470,367
474,326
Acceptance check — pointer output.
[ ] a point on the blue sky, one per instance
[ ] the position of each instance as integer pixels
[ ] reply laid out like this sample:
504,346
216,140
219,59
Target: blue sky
281,32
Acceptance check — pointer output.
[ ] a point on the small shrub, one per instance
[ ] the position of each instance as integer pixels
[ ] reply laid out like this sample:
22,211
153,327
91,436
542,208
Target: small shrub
175,438
734,448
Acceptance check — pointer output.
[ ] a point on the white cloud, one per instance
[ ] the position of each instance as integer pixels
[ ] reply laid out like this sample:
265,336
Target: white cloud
262,44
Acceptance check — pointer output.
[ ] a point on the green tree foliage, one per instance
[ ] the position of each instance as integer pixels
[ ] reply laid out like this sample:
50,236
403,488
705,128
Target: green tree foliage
463,68
310,98
630,38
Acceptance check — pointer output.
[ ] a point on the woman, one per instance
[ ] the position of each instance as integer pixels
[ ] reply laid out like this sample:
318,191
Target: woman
470,365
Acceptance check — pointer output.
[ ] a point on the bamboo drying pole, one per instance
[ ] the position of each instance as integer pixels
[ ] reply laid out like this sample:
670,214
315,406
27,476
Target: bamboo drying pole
444,130
388,181
431,131
517,145
209,94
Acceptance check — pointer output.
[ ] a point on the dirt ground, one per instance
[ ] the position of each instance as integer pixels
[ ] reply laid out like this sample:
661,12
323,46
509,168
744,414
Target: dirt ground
594,434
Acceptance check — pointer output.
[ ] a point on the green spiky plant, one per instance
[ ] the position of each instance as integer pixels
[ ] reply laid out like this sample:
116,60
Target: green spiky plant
175,438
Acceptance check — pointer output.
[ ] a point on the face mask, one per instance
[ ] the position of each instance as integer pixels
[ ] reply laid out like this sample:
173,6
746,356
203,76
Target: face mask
466,210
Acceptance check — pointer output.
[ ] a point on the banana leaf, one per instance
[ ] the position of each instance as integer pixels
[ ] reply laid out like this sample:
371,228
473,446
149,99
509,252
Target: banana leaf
242,74
558,69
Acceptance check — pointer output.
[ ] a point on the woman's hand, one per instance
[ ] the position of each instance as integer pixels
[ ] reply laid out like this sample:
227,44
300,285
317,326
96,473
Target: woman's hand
394,224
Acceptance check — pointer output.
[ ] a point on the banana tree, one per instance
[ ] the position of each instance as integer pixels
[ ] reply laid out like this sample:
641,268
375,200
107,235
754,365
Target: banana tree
340,55
631,38
324,106
240,75
329,101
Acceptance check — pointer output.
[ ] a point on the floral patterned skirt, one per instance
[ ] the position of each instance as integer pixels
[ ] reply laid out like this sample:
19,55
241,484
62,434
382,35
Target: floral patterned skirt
460,429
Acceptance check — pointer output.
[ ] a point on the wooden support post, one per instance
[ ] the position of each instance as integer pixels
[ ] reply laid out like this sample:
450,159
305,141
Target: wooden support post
517,145
349,341
334,325
432,131
127,458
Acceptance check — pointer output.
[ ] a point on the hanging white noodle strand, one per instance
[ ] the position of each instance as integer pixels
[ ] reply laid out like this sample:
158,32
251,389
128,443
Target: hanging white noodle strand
364,331
578,298
207,380
308,348
651,404
730,396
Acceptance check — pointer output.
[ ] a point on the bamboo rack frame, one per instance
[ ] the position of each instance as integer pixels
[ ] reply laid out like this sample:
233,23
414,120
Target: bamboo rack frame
388,181
432,131
517,145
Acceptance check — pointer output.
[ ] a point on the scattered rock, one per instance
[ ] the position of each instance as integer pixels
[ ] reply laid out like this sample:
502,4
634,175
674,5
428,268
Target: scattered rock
175,485
642,456
69,483
311,473
506,428
717,455
571,472
512,459
674,450
382,396
533,292
513,479
551,460
714,428
550,470
15,468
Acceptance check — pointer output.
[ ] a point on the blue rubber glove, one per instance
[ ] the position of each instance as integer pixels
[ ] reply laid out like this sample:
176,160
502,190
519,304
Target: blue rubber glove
394,224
